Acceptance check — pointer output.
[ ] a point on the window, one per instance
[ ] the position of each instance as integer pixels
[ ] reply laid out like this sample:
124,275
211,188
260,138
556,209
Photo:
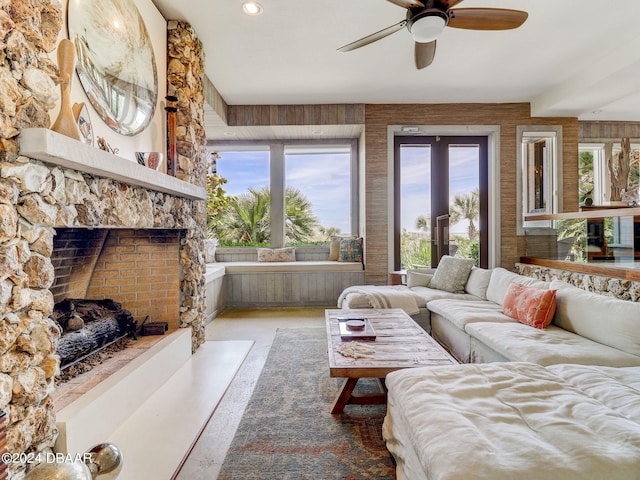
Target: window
595,175
286,193
317,193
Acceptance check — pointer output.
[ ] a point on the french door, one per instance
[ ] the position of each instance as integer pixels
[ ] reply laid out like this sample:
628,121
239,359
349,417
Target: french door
441,199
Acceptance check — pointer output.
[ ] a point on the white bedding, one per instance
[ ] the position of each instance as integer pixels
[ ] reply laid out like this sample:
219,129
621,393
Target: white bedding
514,421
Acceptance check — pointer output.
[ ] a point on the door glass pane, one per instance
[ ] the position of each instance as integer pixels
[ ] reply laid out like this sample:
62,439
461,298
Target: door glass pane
415,205
245,221
464,201
317,194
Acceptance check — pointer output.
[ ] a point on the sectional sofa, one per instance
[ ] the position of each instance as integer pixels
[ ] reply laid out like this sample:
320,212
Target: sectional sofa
559,402
587,328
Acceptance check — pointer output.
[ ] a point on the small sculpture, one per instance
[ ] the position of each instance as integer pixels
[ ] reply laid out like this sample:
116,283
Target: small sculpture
66,123
102,462
103,145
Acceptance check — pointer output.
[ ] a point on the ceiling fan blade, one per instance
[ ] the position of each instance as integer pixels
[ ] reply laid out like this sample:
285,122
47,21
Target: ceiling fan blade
385,32
408,3
424,54
486,18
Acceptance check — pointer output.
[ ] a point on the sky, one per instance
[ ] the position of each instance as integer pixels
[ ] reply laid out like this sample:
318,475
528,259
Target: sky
415,182
325,179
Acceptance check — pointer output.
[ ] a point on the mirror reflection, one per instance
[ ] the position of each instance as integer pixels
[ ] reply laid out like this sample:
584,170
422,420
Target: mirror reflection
115,62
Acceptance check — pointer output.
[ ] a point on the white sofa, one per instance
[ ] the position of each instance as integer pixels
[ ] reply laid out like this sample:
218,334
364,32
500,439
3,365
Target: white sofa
559,403
505,421
587,328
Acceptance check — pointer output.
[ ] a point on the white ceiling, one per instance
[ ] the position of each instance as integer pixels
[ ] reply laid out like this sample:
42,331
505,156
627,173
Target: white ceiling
578,58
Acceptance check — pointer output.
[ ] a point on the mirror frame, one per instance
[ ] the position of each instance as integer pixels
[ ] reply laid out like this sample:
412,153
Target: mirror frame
526,175
124,98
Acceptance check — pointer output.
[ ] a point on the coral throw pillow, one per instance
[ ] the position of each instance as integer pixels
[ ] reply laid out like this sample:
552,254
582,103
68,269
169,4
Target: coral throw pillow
530,305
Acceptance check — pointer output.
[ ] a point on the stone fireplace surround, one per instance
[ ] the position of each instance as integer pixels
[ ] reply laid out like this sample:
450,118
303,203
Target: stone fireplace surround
131,243
38,197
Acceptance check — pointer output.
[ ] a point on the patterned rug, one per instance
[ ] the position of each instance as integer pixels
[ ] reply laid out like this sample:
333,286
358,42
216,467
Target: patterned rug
287,432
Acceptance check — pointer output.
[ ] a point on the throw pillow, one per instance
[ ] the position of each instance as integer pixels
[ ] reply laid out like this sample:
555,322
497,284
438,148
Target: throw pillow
478,282
286,254
530,305
350,250
334,247
418,279
452,274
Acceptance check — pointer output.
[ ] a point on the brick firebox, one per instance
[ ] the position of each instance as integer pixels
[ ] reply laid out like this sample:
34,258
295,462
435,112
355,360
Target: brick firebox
139,268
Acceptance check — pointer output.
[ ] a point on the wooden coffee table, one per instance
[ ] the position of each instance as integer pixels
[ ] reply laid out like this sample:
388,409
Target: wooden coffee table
400,343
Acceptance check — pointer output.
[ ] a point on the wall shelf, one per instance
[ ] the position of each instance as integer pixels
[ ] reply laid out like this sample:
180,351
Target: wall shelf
51,147
590,213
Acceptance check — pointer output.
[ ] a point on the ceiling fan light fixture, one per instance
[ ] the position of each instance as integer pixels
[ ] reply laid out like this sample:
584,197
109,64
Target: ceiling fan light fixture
427,28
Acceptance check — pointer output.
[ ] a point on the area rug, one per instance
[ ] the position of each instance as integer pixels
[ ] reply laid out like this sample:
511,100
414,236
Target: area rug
287,431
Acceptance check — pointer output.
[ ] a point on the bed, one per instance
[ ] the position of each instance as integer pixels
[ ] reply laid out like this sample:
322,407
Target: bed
514,421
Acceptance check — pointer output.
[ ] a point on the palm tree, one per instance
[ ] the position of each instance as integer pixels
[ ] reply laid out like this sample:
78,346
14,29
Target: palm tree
423,222
247,220
466,207
328,232
300,223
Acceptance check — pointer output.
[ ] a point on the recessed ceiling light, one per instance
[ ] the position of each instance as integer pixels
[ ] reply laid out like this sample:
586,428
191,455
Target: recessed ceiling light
252,8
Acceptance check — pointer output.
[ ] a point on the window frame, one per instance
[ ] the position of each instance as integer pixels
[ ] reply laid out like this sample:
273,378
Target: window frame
277,184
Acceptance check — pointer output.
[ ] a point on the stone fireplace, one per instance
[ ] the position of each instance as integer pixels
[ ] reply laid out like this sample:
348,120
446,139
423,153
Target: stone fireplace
79,234
75,219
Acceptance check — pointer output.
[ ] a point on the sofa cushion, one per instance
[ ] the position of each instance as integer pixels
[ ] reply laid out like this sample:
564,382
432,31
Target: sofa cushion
603,319
418,279
478,282
502,278
518,342
289,267
428,294
461,312
452,274
530,305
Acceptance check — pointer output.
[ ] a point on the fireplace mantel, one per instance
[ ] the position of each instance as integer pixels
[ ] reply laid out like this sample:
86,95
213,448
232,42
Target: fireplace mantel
51,147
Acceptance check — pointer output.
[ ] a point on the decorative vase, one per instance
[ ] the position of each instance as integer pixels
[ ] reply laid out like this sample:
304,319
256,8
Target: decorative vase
172,148
66,123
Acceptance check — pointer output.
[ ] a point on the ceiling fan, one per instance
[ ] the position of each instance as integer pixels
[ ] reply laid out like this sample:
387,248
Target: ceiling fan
426,19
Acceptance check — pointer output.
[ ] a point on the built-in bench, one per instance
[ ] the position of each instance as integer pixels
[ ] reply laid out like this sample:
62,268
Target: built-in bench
310,280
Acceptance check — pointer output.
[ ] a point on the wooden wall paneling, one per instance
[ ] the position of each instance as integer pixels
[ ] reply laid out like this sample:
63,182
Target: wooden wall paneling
264,289
303,115
602,130
506,116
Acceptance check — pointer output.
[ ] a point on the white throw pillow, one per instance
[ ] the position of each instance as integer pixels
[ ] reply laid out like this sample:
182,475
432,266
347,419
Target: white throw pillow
418,279
286,254
478,282
452,274
500,280
603,319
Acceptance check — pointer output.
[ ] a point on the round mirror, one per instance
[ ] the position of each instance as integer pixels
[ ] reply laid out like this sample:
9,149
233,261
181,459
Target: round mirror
115,62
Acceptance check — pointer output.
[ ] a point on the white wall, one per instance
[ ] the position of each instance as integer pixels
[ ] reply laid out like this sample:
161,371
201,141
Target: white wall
153,137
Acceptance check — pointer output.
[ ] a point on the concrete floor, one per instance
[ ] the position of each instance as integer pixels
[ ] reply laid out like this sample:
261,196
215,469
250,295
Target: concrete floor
260,325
